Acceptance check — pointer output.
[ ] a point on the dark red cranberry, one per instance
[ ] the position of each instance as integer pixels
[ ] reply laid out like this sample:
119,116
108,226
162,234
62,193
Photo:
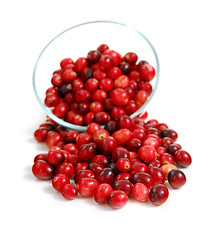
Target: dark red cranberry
125,122
111,126
117,112
182,158
173,148
54,157
86,152
101,118
144,178
138,167
157,175
107,175
64,89
83,108
42,170
119,152
125,67
85,173
159,194
100,159
65,168
133,144
176,178
169,133
40,134
107,145
147,72
95,167
86,73
124,185
93,56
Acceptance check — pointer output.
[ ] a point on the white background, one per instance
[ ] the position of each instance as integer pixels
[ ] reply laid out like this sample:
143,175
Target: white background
181,32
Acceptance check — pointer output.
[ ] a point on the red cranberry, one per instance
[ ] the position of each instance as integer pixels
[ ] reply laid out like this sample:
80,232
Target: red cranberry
65,62
59,181
96,107
138,167
116,57
69,191
147,72
71,148
173,148
83,138
54,157
157,175
99,95
141,97
123,164
80,64
81,166
86,152
69,75
99,74
107,145
119,152
91,84
103,47
87,186
161,150
92,127
42,170
105,62
111,126
41,156
51,100
169,133
146,86
117,199
144,178
100,159
40,134
140,192
106,84
122,176
78,119
122,136
159,194
83,96
131,57
60,109
122,82
95,167
117,112
139,134
65,168
147,153
166,158
119,96
99,135
125,122
133,144
101,193
176,178
101,118
182,158
85,173
114,72
107,175
124,185
131,107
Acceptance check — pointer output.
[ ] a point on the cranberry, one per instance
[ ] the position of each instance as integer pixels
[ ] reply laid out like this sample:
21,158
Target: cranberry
122,82
59,181
54,157
117,112
141,97
69,191
125,121
42,170
166,168
146,86
69,136
106,84
122,176
144,178
124,185
41,156
80,64
147,153
117,199
65,62
125,67
87,186
114,72
86,73
161,127
85,173
157,175
166,158
159,194
169,133
78,119
103,47
119,152
101,193
131,57
107,175
88,118
147,72
93,56
119,96
69,75
99,95
81,166
65,168
111,126
86,152
99,135
123,164
140,192
167,141
101,118
131,107
83,96
122,136
51,100
96,107
60,109
161,150
95,167
92,127
99,74
83,138
107,145
40,134
100,159
77,85
138,167
182,158
72,148
173,148
176,178
133,144
91,84
116,57
139,134
105,62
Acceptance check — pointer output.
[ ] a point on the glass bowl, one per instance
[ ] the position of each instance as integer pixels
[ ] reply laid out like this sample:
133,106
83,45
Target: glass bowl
76,42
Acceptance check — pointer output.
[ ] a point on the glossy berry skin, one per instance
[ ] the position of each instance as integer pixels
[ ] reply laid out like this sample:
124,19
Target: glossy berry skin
166,158
87,186
85,173
166,168
182,158
138,167
52,139
117,199
40,134
59,181
147,72
107,175
122,136
119,96
107,145
159,194
169,133
86,152
119,152
101,193
147,153
69,191
157,175
65,168
123,164
176,178
124,185
140,192
122,176
42,170
144,178
54,157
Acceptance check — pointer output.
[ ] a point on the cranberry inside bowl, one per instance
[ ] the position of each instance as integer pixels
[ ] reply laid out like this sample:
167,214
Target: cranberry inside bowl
95,71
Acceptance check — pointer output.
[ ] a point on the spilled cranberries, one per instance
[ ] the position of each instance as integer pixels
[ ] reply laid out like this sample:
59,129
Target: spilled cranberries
118,158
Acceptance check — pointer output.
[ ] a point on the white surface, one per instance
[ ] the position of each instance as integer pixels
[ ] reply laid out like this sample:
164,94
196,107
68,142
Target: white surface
181,32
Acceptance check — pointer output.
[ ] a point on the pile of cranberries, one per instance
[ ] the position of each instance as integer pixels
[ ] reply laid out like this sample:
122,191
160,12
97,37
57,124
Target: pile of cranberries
127,158
100,87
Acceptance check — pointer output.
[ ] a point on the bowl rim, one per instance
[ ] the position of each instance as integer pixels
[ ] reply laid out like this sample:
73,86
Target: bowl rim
79,128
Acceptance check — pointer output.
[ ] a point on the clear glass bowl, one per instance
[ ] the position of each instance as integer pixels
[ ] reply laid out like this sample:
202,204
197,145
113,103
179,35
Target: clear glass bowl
76,42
